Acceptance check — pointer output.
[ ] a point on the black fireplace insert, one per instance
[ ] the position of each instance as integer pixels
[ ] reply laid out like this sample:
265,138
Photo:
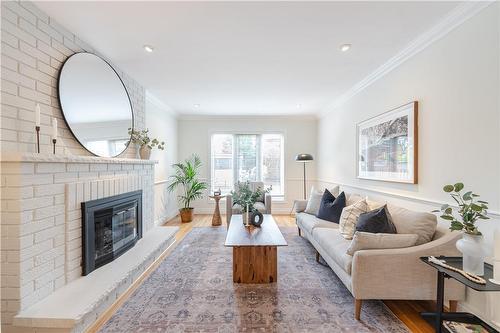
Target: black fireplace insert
110,227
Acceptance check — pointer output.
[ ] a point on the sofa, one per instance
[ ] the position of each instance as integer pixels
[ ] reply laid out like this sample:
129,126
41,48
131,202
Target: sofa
382,274
263,205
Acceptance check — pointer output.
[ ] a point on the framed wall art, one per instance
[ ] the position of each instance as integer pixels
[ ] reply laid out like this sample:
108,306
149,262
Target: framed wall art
388,145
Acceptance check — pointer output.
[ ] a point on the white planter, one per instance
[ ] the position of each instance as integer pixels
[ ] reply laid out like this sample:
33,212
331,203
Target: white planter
473,253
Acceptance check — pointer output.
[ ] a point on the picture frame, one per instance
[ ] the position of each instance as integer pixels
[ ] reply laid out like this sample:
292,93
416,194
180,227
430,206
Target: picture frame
387,145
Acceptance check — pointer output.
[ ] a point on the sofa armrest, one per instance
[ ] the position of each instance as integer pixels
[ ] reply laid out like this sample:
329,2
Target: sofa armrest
399,273
229,208
300,205
268,201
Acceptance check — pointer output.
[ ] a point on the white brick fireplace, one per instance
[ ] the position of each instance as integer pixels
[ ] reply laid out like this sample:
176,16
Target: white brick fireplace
42,234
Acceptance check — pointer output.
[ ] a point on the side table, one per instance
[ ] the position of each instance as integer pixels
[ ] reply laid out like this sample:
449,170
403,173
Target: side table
216,219
462,317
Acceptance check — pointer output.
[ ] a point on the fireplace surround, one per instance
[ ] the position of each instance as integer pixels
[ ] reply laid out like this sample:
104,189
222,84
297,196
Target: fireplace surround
110,227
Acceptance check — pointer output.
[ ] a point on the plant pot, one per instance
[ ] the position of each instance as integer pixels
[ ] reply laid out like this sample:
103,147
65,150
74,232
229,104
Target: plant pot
473,253
186,214
145,152
137,149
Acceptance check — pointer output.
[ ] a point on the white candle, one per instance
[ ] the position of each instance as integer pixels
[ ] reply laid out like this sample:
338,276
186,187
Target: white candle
496,244
54,128
37,115
247,215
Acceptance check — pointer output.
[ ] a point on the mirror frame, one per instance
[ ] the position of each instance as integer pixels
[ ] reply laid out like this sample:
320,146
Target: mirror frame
62,110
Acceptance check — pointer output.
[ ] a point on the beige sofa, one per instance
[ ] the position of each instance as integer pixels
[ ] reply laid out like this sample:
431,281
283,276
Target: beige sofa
381,274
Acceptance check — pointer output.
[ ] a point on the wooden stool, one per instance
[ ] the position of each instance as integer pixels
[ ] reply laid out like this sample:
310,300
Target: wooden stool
216,219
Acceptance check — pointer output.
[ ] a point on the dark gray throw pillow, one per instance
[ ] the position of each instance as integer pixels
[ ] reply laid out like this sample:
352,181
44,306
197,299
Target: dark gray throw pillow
376,221
330,208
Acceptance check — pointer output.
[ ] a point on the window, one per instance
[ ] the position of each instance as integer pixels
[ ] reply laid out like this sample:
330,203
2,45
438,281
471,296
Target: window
247,157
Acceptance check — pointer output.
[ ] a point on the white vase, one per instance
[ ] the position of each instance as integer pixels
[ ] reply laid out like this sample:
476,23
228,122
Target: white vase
473,253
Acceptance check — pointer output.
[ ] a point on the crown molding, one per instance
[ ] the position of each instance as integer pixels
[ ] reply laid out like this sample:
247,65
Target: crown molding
247,117
452,20
159,104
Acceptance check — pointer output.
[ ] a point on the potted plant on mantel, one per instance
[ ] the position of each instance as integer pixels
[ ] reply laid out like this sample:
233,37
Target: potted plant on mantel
145,143
186,176
470,211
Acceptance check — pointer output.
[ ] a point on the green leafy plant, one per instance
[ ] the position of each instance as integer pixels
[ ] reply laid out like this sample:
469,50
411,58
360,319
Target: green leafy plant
469,209
244,195
142,138
186,176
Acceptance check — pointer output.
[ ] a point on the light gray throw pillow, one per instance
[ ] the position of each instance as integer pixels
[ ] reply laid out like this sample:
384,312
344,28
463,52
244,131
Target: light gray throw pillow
369,241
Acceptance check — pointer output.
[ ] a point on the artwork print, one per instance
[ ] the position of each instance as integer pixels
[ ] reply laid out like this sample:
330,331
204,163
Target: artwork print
387,145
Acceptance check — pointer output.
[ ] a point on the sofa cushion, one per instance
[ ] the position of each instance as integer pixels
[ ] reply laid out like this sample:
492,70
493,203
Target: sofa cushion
409,222
332,242
330,208
368,240
313,202
375,221
308,222
352,198
349,218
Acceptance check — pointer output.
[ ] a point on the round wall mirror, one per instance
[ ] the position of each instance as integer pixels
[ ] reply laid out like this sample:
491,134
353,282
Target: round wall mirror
95,104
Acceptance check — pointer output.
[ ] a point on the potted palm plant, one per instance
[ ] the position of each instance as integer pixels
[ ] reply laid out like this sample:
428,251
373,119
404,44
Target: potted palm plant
186,177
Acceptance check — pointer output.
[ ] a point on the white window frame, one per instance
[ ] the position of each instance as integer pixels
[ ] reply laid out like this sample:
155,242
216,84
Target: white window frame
279,197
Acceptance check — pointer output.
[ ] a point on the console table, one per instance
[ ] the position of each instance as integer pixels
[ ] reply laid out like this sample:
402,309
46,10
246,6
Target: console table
462,317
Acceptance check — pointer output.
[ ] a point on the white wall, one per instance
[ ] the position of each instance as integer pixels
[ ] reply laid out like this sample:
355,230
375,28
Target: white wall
162,124
300,137
456,81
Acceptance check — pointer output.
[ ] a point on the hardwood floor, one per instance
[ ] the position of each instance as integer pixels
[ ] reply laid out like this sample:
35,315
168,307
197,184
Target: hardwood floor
406,311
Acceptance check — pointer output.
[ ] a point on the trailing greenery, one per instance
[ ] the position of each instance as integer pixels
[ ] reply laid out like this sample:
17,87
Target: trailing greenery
469,209
244,195
186,176
142,138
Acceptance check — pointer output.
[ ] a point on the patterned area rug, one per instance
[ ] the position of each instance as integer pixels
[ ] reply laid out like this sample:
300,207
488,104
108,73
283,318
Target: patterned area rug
192,291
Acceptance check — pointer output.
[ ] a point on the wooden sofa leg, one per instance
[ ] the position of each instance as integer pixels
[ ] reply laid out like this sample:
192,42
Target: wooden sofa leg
300,232
453,306
357,308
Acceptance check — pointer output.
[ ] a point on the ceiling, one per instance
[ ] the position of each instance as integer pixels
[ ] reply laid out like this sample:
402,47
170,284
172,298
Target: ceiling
247,58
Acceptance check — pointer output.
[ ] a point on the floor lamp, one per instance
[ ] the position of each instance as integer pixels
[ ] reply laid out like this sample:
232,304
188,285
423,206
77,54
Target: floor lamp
304,158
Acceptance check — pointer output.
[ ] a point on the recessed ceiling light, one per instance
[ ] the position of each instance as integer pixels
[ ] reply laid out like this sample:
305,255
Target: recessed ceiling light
299,106
197,106
345,47
148,48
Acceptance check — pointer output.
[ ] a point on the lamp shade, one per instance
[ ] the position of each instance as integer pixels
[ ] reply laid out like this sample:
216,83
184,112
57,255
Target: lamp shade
304,158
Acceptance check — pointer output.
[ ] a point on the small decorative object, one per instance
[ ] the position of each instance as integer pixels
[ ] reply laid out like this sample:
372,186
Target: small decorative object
256,218
469,276
54,134
37,127
186,177
145,143
216,193
470,210
496,258
457,327
387,145
304,158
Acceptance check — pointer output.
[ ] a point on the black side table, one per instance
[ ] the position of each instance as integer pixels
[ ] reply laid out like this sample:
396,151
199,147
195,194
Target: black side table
462,317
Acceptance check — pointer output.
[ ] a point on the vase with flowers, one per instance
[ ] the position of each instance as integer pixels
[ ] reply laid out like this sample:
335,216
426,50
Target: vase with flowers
144,143
464,218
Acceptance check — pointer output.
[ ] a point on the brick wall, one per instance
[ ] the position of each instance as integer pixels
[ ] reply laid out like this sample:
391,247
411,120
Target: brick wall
41,219
34,48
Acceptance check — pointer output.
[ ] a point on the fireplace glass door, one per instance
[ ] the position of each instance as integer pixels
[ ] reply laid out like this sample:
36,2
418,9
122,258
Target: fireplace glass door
115,231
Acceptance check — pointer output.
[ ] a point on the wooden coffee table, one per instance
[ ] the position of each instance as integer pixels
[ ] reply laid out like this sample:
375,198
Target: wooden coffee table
255,250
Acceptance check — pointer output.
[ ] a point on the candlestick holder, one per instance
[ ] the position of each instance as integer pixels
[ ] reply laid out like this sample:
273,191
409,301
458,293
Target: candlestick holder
54,146
37,130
